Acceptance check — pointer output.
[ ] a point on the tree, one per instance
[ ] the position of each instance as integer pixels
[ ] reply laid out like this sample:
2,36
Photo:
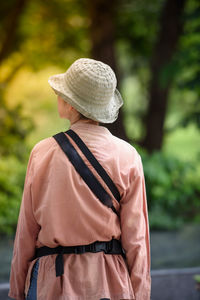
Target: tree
23,43
171,28
152,34
14,126
188,59
102,35
10,16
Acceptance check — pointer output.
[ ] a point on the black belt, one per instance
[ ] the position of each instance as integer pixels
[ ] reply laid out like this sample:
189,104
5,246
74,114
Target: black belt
108,247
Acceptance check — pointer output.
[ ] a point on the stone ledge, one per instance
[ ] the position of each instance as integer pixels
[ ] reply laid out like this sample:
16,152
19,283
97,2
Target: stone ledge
182,271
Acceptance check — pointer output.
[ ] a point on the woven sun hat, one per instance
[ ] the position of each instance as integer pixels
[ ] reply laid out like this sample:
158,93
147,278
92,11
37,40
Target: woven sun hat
90,87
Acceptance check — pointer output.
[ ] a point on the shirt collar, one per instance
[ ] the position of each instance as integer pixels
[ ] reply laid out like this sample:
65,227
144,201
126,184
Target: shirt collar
85,126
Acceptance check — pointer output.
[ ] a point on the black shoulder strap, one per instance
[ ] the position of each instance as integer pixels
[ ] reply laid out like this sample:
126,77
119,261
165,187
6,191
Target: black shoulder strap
94,162
83,170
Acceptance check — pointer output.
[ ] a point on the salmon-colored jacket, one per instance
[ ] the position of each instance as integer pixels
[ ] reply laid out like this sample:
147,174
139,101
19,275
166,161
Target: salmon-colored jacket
58,208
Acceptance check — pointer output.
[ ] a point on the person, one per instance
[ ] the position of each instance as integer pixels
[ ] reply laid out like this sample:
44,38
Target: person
60,211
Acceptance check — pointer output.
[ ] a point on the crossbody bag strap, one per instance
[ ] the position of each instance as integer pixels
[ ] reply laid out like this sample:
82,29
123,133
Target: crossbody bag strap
86,174
94,162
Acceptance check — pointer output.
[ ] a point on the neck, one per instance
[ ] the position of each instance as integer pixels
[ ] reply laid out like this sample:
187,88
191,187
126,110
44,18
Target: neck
85,121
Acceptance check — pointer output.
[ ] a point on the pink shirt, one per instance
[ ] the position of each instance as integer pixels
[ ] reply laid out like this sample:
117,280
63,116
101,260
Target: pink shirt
58,208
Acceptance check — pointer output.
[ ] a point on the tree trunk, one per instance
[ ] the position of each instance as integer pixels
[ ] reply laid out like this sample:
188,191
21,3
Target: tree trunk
171,27
102,34
11,28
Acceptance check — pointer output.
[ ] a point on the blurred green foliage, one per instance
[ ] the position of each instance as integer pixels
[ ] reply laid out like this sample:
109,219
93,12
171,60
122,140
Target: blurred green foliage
173,190
12,174
49,32
14,127
137,30
197,278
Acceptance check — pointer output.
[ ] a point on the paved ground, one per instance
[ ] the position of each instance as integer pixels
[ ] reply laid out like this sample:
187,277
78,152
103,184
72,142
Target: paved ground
176,249
174,284
4,291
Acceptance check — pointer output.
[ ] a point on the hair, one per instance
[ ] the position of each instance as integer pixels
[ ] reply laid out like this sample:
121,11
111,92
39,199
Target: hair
82,117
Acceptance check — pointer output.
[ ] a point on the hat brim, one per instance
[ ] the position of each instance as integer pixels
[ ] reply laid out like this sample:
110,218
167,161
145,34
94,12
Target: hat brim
103,114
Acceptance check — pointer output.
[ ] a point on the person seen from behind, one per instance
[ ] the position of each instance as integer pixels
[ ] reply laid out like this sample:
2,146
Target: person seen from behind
83,231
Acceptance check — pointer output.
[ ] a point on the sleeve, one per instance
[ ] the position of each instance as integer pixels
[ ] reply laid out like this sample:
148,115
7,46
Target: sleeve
25,239
135,232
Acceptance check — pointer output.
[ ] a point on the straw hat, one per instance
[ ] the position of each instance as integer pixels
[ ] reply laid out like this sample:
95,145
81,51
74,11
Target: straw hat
90,87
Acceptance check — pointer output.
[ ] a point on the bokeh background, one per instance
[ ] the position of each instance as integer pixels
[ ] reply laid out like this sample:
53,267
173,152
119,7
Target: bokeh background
154,48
